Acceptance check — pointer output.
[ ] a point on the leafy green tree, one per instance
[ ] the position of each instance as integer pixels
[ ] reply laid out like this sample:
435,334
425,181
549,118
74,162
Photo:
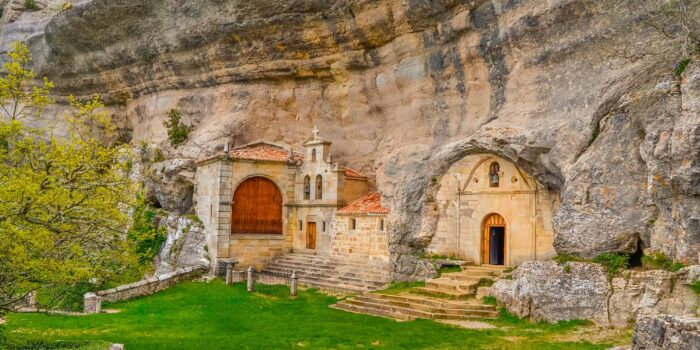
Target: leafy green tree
63,201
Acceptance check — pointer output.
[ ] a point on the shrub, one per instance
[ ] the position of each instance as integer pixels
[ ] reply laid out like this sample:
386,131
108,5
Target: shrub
659,261
567,269
696,286
489,300
681,67
564,258
158,155
612,262
448,269
147,233
178,132
31,5
485,282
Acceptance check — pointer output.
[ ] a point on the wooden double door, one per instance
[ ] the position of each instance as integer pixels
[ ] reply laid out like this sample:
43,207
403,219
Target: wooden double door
257,207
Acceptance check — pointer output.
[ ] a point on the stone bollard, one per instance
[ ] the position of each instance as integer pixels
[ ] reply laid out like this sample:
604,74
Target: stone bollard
229,274
293,283
92,303
250,279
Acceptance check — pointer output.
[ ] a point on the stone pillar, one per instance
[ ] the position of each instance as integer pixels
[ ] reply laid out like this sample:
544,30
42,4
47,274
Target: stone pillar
92,303
293,284
250,279
229,274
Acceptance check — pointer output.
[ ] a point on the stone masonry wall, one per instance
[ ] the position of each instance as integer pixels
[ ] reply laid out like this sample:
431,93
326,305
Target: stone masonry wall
367,241
92,302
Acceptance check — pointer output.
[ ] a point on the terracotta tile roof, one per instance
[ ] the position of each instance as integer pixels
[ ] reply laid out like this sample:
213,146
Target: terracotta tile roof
369,204
263,152
352,173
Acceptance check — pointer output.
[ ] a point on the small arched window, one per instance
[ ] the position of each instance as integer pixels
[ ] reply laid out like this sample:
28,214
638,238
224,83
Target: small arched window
319,187
494,177
307,187
313,156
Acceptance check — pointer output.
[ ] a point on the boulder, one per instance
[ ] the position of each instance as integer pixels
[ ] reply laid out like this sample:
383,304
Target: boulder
546,291
666,332
577,290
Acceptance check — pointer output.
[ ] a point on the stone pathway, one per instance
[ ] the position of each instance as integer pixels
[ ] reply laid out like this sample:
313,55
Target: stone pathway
469,324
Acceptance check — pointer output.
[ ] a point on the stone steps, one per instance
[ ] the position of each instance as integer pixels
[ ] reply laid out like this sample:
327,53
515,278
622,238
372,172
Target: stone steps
328,268
347,276
412,307
330,273
447,293
461,284
430,302
369,311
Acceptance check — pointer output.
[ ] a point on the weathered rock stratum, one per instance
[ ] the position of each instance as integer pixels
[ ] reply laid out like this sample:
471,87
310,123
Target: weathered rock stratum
582,96
546,290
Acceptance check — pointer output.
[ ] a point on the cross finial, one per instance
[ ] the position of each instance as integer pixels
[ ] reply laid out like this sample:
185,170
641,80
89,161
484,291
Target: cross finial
315,132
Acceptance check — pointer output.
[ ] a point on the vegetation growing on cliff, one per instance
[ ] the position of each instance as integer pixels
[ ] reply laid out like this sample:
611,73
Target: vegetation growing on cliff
63,200
147,232
178,132
659,261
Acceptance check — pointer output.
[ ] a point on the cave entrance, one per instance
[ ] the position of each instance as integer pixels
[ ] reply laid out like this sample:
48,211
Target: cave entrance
493,247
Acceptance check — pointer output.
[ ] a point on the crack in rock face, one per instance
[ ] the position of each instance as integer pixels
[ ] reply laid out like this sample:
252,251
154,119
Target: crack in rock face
404,90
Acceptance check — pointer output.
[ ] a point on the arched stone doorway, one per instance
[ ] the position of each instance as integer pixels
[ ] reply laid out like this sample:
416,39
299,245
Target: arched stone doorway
257,207
493,247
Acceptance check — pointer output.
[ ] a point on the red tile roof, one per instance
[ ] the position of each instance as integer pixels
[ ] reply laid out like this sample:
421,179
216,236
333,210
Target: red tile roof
263,152
353,173
369,204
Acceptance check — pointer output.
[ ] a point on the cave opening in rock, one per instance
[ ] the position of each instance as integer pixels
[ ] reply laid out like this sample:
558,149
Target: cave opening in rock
635,259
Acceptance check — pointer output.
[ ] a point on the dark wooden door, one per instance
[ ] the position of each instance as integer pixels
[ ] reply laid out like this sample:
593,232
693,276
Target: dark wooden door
311,235
257,208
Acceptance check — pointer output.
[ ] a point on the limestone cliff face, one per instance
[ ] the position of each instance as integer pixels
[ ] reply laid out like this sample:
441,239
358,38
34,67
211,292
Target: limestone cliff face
566,90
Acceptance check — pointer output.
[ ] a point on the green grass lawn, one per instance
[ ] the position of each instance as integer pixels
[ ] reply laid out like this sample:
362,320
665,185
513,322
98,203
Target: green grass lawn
215,316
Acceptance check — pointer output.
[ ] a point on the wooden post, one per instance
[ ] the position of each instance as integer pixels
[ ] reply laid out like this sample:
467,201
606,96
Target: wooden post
250,279
294,281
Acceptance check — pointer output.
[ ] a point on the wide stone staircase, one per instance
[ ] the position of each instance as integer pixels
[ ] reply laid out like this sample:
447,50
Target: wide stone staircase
331,273
410,307
461,284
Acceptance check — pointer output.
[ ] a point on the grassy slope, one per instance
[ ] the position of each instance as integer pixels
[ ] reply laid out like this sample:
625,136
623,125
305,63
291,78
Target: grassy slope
215,316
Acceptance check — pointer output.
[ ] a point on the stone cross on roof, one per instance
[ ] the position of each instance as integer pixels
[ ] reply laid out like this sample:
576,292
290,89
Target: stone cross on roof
315,132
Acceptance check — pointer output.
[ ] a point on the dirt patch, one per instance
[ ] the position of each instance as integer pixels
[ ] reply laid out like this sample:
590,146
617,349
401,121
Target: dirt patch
595,334
469,324
111,311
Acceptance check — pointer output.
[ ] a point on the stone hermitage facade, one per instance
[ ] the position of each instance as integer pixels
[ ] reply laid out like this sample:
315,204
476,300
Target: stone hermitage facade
492,212
262,200
240,224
